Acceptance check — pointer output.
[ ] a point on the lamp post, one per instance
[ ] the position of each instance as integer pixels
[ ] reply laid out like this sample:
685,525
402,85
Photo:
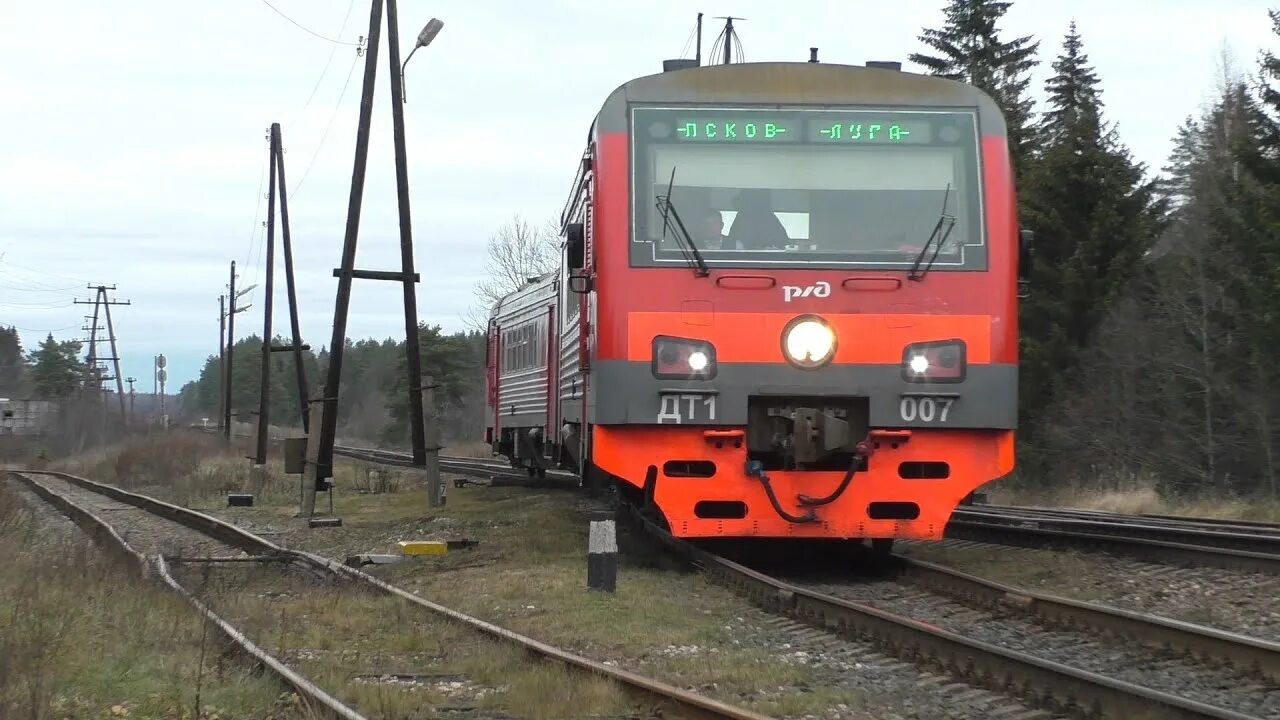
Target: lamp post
425,37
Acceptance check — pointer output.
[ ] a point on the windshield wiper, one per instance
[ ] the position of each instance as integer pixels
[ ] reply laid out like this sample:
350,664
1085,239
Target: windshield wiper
916,272
668,209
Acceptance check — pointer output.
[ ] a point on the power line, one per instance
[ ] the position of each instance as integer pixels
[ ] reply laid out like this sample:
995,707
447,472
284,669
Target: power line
253,232
36,306
327,127
79,281
16,288
42,330
323,71
303,27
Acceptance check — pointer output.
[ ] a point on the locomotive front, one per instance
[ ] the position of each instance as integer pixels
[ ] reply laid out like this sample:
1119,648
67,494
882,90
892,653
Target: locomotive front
802,299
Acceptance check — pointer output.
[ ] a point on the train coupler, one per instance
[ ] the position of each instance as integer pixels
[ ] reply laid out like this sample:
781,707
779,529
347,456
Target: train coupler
755,469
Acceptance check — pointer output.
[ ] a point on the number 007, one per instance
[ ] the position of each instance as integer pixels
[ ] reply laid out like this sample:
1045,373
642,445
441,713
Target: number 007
925,409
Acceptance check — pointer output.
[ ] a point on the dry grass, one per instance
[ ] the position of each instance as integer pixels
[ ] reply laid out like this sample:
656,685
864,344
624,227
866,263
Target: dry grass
1137,495
345,639
79,640
468,450
529,574
182,467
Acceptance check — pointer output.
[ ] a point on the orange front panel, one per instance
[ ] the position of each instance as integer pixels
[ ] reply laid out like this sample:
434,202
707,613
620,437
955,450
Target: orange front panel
975,457
757,337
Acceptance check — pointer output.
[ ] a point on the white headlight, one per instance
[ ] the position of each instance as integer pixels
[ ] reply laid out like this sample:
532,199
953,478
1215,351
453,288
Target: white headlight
809,342
919,364
698,361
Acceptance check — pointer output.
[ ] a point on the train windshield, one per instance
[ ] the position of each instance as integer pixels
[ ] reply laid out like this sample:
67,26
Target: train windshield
759,188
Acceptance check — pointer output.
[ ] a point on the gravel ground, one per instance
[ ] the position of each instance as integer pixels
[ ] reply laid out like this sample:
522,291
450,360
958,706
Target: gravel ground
1226,599
883,687
1117,659
51,523
146,533
888,689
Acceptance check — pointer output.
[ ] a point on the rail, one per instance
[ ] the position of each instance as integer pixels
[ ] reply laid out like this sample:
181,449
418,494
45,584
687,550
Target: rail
102,532
984,663
692,704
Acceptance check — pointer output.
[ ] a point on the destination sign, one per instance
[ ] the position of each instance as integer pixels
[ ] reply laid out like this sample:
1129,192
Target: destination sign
869,131
791,127
742,129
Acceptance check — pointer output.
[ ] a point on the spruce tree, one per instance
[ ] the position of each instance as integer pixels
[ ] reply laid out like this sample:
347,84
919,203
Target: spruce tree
969,49
1073,97
1094,216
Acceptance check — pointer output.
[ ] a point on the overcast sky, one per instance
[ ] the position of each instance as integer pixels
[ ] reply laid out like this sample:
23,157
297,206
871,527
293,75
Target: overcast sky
133,144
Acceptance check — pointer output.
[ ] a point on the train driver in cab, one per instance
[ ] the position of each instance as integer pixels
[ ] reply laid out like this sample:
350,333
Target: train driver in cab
711,233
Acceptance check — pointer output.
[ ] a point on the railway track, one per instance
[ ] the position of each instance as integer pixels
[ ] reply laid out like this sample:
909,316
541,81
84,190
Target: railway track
182,547
1073,657
1225,545
1244,546
1055,651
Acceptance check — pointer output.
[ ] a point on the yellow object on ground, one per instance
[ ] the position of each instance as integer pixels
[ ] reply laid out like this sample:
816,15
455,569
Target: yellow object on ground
422,547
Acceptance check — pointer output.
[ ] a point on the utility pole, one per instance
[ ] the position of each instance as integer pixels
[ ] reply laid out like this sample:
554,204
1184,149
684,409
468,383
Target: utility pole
300,368
222,356
264,377
322,469
432,435
231,341
102,300
276,161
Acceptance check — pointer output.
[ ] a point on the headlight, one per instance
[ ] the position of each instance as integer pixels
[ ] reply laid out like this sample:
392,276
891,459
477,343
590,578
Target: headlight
942,361
809,342
682,358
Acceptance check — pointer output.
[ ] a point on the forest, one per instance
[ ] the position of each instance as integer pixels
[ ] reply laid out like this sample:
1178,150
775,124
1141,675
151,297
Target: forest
1146,339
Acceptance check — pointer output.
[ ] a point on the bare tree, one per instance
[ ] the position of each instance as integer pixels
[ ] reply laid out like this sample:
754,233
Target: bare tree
516,252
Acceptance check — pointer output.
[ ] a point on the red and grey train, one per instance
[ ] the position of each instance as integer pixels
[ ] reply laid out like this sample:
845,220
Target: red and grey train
786,304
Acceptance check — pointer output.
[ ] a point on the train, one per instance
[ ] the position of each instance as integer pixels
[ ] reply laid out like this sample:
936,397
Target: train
785,306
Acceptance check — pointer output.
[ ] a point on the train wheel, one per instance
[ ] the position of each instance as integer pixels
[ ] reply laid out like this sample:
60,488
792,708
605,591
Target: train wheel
881,547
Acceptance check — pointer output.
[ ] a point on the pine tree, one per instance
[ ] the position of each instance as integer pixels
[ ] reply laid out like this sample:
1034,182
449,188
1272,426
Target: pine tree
56,368
970,50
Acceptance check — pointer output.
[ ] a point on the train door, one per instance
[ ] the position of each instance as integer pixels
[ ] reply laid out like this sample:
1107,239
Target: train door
586,317
551,433
493,373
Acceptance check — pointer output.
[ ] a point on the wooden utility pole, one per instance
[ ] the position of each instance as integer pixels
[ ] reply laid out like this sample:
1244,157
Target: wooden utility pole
322,470
309,488
276,161
431,433
231,342
222,357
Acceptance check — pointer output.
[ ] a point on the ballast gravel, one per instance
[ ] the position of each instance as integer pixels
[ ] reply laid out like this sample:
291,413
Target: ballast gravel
1117,659
146,533
1231,600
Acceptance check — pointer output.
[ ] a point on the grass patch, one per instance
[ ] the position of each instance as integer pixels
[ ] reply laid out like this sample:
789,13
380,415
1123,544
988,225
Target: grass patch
1137,495
349,640
998,564
529,574
79,640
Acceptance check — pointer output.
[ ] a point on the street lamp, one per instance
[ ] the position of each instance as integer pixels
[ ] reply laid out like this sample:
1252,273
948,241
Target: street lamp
425,37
